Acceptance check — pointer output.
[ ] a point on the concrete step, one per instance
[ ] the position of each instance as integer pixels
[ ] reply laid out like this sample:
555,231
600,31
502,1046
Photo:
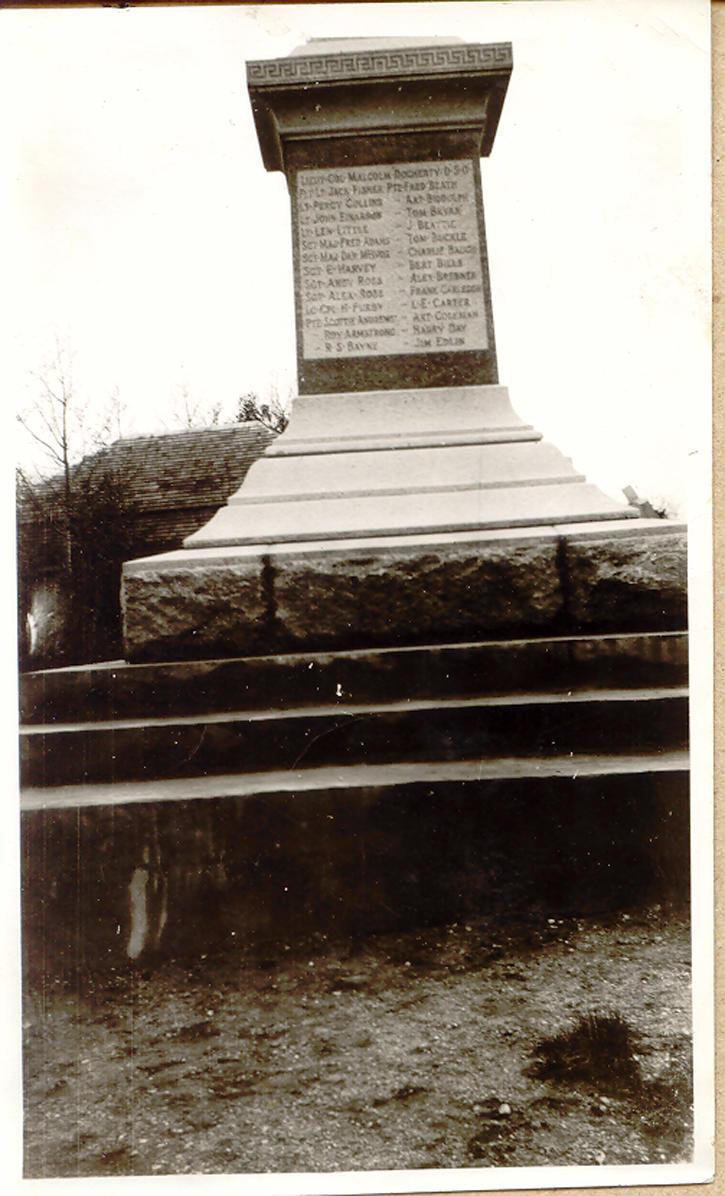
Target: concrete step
350,778
409,471
103,692
449,415
186,867
372,515
530,725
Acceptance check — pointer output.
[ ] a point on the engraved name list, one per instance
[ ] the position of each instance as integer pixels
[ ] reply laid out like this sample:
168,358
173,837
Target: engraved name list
390,260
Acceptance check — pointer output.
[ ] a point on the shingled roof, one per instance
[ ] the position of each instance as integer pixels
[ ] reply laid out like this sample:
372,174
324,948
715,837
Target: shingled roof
197,468
171,483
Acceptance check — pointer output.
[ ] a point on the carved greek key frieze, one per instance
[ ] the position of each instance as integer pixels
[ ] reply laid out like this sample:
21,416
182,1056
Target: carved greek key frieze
371,63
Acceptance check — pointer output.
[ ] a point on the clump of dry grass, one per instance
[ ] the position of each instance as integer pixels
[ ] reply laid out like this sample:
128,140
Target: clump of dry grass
598,1047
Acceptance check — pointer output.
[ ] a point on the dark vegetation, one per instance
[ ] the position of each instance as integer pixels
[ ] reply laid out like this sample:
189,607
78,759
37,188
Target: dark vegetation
95,503
74,539
599,1048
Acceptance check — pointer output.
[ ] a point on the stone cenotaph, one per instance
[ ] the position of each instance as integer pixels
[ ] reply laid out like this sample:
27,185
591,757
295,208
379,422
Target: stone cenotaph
416,668
406,501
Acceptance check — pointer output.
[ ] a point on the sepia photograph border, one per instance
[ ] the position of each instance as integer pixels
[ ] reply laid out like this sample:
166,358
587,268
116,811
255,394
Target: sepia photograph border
679,1178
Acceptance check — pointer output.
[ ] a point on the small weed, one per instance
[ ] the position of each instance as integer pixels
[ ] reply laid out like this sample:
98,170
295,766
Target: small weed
597,1048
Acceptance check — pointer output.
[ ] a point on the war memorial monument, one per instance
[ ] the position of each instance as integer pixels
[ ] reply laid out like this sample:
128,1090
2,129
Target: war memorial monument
395,770
415,639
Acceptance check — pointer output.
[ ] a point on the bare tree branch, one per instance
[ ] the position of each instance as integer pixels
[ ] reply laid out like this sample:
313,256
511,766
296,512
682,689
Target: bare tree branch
51,449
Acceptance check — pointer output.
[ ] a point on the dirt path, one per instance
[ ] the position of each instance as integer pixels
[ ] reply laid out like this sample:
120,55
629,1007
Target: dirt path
405,1051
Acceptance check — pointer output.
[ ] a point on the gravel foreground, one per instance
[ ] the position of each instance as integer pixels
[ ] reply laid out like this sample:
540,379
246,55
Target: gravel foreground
404,1051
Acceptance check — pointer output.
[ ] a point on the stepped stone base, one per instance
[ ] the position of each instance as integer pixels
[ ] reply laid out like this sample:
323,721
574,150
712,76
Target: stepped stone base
404,463
625,575
116,690
385,780
176,808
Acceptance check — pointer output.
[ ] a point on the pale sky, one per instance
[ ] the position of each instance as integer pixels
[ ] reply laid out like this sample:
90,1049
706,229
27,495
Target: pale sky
145,232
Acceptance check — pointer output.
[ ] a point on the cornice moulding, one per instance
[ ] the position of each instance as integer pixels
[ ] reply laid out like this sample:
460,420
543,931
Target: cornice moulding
372,64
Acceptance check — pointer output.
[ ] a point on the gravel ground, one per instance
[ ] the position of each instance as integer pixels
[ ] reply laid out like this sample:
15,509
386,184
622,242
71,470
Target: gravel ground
403,1051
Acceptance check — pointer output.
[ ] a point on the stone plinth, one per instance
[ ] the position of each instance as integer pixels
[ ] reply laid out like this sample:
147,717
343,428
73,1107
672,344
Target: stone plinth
442,460
558,579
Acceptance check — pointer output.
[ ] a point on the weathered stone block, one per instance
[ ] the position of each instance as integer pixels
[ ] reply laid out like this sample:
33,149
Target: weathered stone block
625,581
213,606
435,588
405,589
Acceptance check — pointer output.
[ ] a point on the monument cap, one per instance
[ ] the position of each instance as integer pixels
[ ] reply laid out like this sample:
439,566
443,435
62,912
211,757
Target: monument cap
352,87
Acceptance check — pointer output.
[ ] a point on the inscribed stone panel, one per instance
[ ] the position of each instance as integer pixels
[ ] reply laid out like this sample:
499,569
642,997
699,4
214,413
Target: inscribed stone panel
390,260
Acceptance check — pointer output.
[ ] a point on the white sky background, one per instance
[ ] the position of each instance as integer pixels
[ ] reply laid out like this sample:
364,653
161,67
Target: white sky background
148,236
